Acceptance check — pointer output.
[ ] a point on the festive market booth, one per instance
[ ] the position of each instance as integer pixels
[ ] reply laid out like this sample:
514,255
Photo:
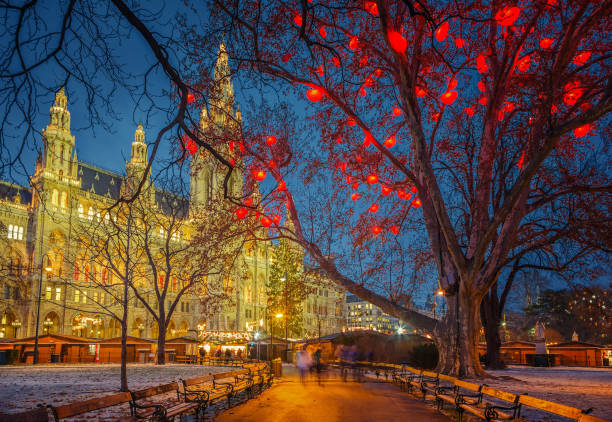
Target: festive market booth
225,344
138,350
56,348
182,346
513,352
577,353
267,348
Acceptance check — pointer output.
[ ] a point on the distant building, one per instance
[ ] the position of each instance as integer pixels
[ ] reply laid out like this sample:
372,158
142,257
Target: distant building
362,315
324,308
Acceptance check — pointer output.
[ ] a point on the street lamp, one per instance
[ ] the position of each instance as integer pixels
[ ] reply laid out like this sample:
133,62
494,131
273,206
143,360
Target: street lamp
284,280
16,324
47,323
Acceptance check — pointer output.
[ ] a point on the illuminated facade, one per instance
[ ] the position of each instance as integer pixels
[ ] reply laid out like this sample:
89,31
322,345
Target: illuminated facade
362,315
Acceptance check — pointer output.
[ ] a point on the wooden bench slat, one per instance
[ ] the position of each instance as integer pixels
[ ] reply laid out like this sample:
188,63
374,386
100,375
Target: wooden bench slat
68,410
551,407
199,380
589,418
498,394
467,385
154,391
38,414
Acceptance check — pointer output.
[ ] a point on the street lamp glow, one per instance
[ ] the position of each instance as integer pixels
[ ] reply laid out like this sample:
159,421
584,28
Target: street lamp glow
440,292
279,315
400,330
283,279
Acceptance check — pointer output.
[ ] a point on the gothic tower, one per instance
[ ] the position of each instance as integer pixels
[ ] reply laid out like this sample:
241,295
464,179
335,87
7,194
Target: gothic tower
137,165
58,158
207,175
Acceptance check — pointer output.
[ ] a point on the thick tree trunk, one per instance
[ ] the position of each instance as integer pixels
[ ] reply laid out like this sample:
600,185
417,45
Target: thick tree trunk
490,317
456,337
161,344
124,381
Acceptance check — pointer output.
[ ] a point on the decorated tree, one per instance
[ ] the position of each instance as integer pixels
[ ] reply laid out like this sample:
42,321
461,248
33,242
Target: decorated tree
472,118
286,288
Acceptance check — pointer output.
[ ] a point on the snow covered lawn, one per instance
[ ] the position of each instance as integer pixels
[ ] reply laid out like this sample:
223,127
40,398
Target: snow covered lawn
23,387
583,388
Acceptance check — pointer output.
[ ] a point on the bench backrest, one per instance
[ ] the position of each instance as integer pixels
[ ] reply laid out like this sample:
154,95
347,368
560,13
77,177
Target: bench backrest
446,378
35,415
154,391
551,407
72,409
199,380
429,374
467,385
498,394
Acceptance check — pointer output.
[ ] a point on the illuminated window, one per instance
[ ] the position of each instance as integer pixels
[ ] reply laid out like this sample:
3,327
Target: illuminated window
81,211
58,293
77,296
48,293
90,213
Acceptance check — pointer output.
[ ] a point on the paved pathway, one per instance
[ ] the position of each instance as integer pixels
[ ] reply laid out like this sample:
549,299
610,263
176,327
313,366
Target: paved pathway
332,400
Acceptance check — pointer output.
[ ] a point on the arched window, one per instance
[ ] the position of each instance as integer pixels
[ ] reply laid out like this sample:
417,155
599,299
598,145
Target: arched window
104,275
55,197
90,213
86,272
76,271
64,201
81,215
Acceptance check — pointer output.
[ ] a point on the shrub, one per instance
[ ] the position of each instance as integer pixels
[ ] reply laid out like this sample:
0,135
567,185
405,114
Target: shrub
424,356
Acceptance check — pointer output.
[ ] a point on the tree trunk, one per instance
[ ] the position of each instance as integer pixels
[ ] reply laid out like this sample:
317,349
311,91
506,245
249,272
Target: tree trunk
490,316
124,381
161,344
456,337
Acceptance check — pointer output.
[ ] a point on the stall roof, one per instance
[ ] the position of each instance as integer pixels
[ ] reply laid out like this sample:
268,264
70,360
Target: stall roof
53,339
184,339
130,340
576,344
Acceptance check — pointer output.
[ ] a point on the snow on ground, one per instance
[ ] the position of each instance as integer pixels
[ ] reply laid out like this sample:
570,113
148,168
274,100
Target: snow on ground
23,387
583,388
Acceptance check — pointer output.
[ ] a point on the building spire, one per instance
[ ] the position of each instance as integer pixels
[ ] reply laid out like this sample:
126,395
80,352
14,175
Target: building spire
223,91
59,116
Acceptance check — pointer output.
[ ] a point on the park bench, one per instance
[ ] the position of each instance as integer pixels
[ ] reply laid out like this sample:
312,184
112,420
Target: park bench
38,414
242,383
558,409
73,409
200,390
142,408
429,383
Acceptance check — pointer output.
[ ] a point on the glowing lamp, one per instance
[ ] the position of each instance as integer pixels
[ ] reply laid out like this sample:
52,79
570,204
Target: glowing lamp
190,98
397,41
286,57
353,43
241,212
507,15
320,70
271,140
483,100
265,221
581,58
248,202
298,19
581,131
441,32
192,147
350,121
355,196
389,142
449,97
372,179
481,86
420,92
362,92
469,111
232,162
276,219
459,42
323,32
385,191
413,189
376,230
395,230
260,175
481,64
336,61
416,203
282,186
397,111
314,94
546,43
373,208
524,63
355,185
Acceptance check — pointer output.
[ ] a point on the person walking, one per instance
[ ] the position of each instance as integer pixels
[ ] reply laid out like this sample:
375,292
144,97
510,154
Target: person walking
304,362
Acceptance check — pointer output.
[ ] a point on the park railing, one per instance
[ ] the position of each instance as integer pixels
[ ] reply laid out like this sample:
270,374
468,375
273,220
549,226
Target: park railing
479,400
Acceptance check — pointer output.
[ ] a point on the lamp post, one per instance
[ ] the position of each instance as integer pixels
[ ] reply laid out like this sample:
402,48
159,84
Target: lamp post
277,316
284,280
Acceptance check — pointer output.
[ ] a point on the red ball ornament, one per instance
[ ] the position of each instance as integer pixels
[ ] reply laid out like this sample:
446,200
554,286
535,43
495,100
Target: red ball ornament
546,43
469,111
397,111
353,43
190,98
286,57
481,86
376,230
276,219
355,196
581,131
413,189
385,191
241,212
271,140
259,175
395,230
416,203
507,15
389,142
372,179
481,64
323,32
397,41
266,222
371,7
192,147
314,94
441,32
373,208
298,19
282,186
449,97
581,58
524,63
420,92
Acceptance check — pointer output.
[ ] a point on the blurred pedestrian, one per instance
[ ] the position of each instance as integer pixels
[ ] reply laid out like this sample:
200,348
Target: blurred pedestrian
304,362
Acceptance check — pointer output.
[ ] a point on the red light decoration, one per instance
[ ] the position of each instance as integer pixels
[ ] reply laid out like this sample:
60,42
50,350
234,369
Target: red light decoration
271,140
353,43
483,100
507,15
367,140
348,179
581,58
282,186
350,121
377,73
320,70
272,164
241,212
259,175
336,61
500,115
459,42
231,145
524,63
572,92
298,19
355,185
416,203
314,94
546,43
420,92
323,32
452,84
192,147
232,162
190,98
373,208
376,230
286,57
276,219
441,32
481,86
435,117
449,97
266,222
385,191
355,196
248,202
362,92
371,7
469,111
342,166
413,189
389,142
581,131
394,230
521,161
481,64
508,107
397,111
397,41
372,179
